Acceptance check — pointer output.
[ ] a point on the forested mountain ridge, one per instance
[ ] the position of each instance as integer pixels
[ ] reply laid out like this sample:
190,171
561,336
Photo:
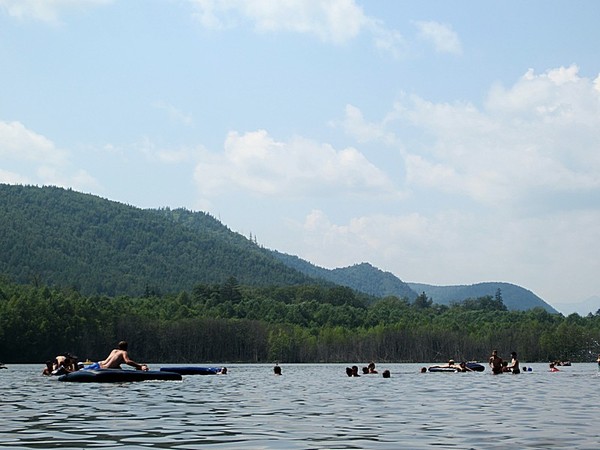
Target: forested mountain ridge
373,281
360,277
514,297
61,237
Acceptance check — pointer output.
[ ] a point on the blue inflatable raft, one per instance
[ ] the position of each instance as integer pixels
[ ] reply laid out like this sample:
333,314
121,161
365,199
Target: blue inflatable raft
192,370
118,376
475,366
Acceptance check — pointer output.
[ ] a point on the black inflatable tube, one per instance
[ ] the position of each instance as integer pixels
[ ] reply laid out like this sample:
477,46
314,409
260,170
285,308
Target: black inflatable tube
118,376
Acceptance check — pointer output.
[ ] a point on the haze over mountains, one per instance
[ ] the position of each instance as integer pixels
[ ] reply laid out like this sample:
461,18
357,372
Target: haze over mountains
61,237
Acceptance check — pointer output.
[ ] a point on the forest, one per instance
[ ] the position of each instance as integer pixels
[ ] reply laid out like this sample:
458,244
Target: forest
229,322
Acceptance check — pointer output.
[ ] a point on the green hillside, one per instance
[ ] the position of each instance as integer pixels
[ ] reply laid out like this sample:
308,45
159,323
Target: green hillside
61,237
360,277
514,297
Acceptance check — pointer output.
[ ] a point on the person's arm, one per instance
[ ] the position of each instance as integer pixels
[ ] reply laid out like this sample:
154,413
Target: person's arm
132,363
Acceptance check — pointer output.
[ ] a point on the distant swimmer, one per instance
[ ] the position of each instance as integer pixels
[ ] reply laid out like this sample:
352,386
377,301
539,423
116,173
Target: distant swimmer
386,373
514,363
277,369
371,367
553,368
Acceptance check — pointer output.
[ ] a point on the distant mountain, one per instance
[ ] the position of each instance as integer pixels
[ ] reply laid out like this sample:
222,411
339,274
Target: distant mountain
514,297
360,277
373,281
591,305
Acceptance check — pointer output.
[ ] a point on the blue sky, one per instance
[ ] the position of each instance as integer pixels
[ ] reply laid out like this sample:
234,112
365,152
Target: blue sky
445,142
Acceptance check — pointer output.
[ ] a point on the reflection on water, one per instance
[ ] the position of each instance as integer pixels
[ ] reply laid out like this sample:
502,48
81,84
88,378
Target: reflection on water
310,406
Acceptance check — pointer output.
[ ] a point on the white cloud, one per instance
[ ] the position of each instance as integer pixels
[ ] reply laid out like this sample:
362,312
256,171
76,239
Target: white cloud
38,159
458,247
46,10
334,21
443,37
256,163
9,177
355,125
19,143
539,135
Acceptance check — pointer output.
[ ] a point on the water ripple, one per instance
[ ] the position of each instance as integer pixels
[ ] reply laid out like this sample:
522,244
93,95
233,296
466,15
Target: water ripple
309,407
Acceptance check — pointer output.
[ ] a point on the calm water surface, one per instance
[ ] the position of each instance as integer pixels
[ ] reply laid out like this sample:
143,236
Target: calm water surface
309,407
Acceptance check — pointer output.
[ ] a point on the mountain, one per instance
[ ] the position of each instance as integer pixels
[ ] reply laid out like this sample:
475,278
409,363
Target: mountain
60,237
371,280
360,277
514,297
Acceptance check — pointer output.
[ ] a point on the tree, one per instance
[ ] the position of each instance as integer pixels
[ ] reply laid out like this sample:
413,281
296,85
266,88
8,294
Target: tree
422,301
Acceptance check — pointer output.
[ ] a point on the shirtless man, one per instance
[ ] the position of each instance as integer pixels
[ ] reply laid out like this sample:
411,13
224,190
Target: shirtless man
117,357
496,363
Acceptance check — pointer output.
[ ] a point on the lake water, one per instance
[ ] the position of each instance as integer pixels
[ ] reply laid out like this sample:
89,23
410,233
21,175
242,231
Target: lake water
310,407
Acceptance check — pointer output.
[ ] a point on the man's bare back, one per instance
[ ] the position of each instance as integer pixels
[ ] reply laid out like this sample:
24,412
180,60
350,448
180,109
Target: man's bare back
120,356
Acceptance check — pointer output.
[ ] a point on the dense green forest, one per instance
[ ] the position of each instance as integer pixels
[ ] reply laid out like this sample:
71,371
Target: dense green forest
79,273
229,322
55,236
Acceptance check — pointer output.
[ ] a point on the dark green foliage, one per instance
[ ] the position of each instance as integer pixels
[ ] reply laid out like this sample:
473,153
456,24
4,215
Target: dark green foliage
231,322
360,277
514,297
60,237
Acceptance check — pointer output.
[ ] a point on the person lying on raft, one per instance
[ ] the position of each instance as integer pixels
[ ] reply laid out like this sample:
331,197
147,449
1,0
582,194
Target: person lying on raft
117,357
450,365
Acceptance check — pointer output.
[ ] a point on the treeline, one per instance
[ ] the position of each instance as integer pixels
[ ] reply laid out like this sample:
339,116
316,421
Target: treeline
229,322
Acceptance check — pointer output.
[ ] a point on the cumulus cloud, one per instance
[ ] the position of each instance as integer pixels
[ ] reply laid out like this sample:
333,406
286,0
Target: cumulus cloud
46,10
457,247
257,163
333,21
355,125
443,37
20,143
514,184
35,159
539,135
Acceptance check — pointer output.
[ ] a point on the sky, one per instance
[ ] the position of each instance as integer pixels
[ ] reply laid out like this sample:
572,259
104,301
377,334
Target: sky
445,142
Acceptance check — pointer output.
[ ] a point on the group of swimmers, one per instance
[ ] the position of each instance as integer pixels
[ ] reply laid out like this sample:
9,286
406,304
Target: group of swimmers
61,365
367,370
67,363
498,365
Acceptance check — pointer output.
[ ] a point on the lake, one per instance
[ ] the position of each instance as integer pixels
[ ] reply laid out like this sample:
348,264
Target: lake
311,406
